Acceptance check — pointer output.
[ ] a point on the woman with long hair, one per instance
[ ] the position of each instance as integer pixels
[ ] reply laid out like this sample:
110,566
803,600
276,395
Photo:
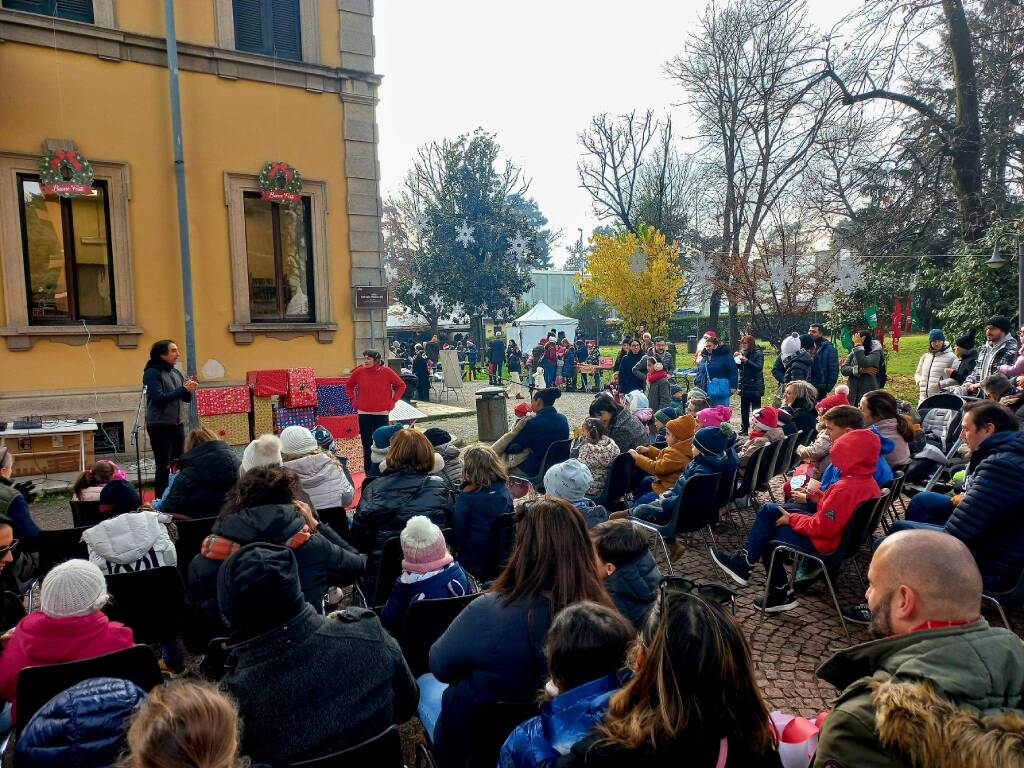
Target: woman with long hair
862,365
166,392
207,471
881,411
692,701
494,650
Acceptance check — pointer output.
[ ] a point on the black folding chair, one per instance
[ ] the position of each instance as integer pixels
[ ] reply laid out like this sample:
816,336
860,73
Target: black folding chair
389,568
856,533
766,471
190,540
425,622
56,546
783,458
1011,598
502,539
556,453
695,510
382,751
887,515
151,602
85,514
617,484
726,488
748,475
37,685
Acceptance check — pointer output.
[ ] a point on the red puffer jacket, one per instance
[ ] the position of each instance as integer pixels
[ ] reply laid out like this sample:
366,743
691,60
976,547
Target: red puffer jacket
855,455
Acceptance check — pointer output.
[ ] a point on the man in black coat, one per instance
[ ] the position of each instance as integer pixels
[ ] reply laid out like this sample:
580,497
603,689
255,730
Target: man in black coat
496,357
306,685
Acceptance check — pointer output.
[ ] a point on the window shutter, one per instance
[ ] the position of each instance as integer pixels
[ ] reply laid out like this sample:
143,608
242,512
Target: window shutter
249,25
287,29
32,6
75,10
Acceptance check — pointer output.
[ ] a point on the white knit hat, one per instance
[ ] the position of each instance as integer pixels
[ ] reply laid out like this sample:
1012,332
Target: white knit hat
73,588
297,441
790,346
264,451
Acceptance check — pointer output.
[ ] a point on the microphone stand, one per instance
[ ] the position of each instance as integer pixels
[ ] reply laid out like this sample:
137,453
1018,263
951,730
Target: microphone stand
140,412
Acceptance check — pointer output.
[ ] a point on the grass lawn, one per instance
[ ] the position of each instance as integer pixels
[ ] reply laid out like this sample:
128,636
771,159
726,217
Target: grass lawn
901,365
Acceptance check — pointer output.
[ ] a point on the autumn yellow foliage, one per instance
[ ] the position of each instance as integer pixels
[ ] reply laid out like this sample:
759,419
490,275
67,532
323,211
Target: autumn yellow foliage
638,276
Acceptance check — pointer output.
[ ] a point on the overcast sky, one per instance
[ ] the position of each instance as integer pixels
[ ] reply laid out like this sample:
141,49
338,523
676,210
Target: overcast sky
533,73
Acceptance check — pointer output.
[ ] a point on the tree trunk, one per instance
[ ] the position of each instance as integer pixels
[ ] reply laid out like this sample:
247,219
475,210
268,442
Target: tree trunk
714,311
734,326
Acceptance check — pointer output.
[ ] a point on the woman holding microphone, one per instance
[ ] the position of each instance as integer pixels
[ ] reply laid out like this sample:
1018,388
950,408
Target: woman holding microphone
166,392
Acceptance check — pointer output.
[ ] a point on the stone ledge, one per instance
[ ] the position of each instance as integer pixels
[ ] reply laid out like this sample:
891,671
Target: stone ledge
245,333
22,339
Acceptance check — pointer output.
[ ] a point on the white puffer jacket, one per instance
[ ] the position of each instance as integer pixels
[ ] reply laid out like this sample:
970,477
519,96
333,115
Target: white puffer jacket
323,480
134,541
931,371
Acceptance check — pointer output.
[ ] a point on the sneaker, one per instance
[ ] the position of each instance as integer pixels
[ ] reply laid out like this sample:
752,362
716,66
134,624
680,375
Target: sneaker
778,600
806,575
736,565
858,614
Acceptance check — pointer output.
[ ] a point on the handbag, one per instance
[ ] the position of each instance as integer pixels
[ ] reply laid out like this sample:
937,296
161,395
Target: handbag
717,388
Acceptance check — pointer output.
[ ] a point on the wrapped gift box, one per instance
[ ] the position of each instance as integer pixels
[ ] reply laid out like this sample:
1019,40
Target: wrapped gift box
301,388
332,400
211,401
267,383
262,416
342,427
232,428
291,417
352,449
326,381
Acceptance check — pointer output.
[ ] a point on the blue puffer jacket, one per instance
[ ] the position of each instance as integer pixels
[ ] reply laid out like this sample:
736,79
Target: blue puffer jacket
562,722
720,365
988,518
633,588
702,464
450,581
472,519
569,363
825,372
82,727
546,427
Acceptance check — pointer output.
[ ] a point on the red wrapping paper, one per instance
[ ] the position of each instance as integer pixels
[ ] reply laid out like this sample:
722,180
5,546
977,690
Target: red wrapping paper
212,401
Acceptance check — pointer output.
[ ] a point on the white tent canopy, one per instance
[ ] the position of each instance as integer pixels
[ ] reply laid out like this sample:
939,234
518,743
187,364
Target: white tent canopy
526,330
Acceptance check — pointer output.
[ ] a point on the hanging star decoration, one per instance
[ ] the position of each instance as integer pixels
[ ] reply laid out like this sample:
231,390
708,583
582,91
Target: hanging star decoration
638,262
415,289
419,223
464,234
390,273
518,247
436,300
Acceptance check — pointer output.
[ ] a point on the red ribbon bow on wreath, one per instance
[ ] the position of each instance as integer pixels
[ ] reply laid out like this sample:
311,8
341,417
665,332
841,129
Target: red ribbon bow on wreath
276,168
62,155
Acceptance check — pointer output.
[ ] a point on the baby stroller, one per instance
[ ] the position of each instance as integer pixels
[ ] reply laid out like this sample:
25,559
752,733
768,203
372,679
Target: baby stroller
932,467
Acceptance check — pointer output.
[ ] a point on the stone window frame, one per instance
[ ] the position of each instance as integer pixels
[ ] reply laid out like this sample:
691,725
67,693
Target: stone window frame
16,330
102,14
243,327
309,28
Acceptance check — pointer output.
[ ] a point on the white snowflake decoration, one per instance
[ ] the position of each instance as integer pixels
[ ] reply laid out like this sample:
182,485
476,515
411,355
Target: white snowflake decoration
458,310
638,262
390,273
702,272
415,289
436,300
518,247
464,234
419,223
847,279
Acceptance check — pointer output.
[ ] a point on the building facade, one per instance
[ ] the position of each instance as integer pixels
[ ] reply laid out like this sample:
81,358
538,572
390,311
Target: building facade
89,282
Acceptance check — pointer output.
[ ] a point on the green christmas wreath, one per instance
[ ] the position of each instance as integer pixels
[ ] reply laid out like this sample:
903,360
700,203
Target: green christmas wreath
280,177
55,164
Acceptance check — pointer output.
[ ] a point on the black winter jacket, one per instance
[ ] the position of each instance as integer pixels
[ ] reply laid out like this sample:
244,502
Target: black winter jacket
796,368
84,725
324,561
386,506
697,750
633,588
492,652
751,382
206,474
317,685
165,393
988,519
472,520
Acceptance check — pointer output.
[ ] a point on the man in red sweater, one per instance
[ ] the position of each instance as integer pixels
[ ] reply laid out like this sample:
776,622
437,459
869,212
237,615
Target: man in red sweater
855,455
373,389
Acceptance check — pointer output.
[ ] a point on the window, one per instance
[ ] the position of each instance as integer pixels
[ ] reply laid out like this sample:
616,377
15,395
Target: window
69,264
279,255
270,27
75,10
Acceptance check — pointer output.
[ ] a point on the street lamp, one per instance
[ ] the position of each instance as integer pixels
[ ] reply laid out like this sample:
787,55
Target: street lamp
998,260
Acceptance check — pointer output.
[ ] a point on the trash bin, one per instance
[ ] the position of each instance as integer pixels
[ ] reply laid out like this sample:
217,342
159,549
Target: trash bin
691,344
491,415
410,386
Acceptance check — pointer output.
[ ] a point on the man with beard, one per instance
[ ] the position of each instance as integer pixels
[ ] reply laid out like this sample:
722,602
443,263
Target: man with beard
939,686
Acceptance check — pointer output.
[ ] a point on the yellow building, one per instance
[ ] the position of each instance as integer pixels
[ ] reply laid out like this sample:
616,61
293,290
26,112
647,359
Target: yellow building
88,283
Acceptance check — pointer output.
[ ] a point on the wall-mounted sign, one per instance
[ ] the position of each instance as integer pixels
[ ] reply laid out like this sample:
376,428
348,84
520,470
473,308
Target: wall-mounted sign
371,297
65,172
280,183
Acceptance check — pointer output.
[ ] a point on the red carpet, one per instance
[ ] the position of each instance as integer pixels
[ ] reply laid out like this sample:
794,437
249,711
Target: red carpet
357,481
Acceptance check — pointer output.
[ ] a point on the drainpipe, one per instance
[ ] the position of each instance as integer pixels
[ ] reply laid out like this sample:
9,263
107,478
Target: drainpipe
179,182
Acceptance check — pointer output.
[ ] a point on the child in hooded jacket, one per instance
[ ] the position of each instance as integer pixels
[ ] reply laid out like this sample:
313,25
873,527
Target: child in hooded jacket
664,465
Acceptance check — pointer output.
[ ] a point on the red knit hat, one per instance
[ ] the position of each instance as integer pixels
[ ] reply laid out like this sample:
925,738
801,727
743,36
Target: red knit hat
768,416
522,409
839,398
423,546
711,334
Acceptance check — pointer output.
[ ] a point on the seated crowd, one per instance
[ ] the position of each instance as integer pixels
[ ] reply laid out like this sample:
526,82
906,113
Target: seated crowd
557,612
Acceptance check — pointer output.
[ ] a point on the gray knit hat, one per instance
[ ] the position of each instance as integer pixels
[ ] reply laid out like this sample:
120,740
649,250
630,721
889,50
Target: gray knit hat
73,588
568,480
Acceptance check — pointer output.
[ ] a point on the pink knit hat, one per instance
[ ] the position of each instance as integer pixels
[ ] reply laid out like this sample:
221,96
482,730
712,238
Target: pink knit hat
423,546
714,416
